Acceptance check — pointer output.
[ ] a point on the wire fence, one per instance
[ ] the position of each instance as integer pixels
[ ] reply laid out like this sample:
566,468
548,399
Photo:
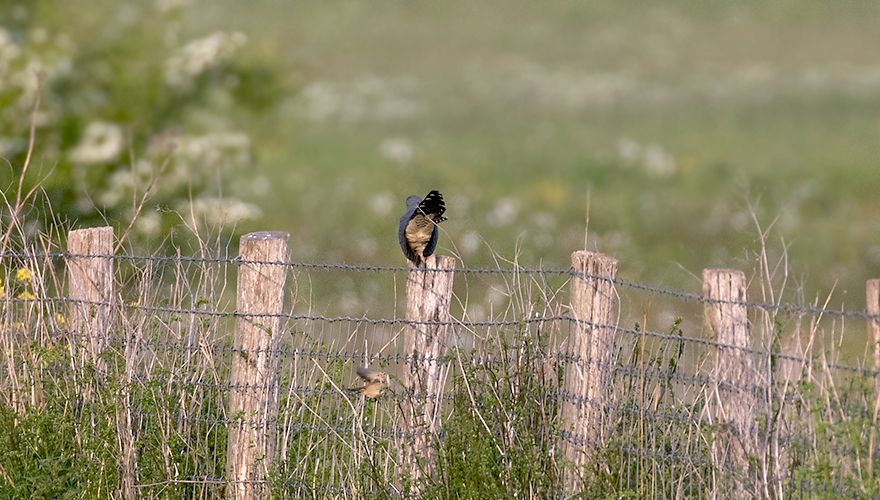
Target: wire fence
153,406
790,308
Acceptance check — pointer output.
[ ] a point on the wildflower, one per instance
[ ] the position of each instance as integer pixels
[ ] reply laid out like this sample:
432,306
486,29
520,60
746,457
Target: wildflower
200,55
504,212
397,149
224,211
60,320
26,295
102,142
23,275
382,203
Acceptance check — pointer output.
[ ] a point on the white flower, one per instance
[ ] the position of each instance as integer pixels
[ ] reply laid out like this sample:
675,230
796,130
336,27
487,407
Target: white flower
149,223
168,5
8,52
367,245
469,242
628,150
658,161
199,55
397,149
119,186
223,211
216,149
10,146
101,143
367,98
504,213
382,203
196,154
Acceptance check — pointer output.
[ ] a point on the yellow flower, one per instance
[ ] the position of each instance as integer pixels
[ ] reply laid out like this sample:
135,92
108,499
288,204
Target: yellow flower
26,295
60,319
23,275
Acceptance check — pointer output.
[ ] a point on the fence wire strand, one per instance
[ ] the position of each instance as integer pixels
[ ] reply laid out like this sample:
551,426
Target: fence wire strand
789,308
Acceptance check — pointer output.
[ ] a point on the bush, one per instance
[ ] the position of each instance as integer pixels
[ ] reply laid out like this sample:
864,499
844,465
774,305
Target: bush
134,119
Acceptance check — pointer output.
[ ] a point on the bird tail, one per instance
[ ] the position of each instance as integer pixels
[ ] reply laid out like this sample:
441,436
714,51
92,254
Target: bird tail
433,204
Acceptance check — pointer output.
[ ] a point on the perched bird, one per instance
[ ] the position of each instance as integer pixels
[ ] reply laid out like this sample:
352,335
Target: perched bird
374,383
418,226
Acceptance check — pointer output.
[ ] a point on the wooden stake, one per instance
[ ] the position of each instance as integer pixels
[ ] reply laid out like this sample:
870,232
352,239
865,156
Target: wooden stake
92,292
588,363
872,296
253,395
428,297
734,400
90,287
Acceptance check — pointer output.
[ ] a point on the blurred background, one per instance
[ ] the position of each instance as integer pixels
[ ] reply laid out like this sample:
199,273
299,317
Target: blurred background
668,125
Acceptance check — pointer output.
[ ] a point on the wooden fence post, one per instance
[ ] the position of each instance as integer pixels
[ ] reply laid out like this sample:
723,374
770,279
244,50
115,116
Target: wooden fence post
92,293
587,361
253,395
90,288
428,296
734,400
872,299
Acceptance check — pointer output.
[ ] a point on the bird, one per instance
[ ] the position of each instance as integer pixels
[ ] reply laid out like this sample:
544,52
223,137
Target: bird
374,383
418,226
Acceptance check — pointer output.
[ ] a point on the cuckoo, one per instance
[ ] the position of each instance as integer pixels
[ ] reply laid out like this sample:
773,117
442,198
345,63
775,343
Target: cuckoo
418,226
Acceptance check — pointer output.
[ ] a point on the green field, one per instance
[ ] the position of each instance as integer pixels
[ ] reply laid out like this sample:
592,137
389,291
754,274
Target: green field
670,119
673,117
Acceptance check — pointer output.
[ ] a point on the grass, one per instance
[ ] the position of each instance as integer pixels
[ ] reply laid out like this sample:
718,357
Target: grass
162,383
772,106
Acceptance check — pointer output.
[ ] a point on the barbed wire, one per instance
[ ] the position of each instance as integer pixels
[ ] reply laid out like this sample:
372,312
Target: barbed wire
684,295
634,332
668,410
468,324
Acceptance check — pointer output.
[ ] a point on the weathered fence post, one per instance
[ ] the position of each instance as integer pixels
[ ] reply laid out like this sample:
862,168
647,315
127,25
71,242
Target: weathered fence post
734,399
428,296
253,395
587,361
90,288
92,294
872,299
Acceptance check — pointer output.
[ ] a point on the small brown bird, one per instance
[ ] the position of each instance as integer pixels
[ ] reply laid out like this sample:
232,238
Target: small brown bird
374,383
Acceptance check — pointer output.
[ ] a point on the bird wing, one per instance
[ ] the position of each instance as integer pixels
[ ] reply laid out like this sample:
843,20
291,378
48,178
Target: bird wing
401,234
370,375
432,243
433,206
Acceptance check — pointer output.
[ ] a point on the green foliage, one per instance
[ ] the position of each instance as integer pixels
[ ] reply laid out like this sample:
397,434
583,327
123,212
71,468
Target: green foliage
842,427
500,437
132,109
65,448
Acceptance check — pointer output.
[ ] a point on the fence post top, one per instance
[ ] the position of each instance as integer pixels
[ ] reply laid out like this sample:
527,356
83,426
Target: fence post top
708,273
87,230
266,235
580,258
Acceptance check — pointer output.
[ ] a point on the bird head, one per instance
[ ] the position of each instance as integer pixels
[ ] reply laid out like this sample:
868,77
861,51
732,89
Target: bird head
413,201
